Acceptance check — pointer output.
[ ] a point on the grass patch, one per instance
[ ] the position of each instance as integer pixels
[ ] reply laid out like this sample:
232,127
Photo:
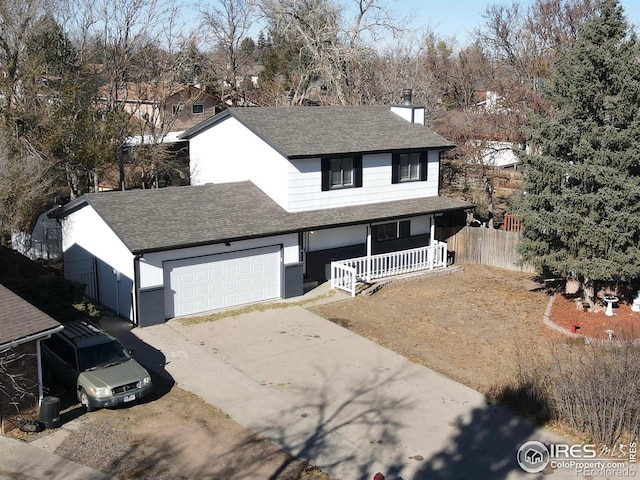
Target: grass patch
258,307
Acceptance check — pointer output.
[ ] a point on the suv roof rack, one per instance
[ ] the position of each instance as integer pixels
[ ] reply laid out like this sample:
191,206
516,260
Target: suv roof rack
80,329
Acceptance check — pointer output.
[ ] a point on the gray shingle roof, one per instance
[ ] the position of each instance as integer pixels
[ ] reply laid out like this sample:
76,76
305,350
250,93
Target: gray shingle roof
313,131
20,319
166,218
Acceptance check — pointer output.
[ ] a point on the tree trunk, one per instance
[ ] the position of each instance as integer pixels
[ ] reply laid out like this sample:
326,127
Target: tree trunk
588,291
488,187
72,181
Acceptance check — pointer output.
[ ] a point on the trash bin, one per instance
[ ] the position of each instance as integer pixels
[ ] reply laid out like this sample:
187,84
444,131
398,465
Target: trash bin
50,412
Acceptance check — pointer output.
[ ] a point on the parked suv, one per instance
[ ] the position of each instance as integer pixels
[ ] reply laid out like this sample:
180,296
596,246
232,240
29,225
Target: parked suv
84,357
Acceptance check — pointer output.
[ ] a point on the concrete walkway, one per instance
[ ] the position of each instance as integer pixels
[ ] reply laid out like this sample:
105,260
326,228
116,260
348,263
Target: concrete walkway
339,401
20,460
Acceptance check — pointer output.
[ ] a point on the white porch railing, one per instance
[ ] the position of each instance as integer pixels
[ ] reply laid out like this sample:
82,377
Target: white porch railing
345,274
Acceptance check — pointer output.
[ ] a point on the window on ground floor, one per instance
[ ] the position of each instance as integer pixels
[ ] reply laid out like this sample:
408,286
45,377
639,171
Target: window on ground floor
392,230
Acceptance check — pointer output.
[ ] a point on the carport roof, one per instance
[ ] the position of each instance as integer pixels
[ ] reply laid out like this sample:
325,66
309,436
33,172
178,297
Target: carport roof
178,217
21,320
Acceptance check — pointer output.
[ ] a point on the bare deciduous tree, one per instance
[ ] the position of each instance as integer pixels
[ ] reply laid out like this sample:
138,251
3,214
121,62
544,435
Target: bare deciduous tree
25,183
523,43
228,24
121,42
18,22
333,48
15,387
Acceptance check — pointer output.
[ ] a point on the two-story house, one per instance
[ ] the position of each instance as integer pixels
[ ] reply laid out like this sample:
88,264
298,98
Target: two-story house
165,110
282,196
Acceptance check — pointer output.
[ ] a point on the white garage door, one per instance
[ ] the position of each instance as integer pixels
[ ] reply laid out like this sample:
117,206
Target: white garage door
217,281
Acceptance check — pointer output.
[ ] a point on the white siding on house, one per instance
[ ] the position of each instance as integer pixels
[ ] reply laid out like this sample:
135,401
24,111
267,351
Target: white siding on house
229,152
151,271
499,154
356,234
421,225
87,237
413,114
337,237
86,229
305,184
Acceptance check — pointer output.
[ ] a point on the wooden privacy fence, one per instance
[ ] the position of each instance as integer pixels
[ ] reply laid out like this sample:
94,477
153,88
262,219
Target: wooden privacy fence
512,223
485,246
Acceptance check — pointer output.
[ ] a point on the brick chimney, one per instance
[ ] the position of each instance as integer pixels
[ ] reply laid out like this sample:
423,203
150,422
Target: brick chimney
407,110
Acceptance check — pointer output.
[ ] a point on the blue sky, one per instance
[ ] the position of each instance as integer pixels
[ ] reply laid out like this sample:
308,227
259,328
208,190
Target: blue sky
447,18
460,17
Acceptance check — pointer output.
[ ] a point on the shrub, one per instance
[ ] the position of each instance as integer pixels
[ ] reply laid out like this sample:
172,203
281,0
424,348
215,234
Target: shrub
592,389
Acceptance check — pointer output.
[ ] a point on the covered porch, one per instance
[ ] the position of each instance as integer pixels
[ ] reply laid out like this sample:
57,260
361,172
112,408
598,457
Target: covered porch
347,274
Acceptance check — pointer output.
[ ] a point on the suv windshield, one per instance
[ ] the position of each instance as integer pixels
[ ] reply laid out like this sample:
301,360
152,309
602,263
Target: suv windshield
102,355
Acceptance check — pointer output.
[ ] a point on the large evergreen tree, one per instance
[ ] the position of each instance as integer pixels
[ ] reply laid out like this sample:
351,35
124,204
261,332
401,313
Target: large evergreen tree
582,203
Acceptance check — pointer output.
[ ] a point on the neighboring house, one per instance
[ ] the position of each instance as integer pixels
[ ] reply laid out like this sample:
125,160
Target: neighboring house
495,151
499,154
281,194
190,105
488,100
22,328
160,112
44,242
167,107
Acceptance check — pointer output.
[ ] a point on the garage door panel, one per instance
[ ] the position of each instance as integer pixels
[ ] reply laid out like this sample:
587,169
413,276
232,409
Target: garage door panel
186,278
188,293
216,272
220,281
202,276
202,290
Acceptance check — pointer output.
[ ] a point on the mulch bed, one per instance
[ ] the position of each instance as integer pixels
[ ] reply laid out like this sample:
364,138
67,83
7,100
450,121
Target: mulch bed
594,323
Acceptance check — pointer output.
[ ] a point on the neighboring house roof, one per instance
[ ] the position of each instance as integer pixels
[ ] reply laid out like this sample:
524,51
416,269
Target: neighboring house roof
153,92
298,132
21,321
176,217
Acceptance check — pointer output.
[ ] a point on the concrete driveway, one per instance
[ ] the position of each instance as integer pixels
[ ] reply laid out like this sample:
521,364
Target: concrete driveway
340,401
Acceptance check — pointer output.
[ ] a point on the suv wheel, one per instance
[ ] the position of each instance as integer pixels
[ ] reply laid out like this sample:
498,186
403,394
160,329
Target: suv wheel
84,400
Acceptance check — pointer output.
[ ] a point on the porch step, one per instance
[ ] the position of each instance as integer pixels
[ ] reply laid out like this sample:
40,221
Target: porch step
372,288
309,284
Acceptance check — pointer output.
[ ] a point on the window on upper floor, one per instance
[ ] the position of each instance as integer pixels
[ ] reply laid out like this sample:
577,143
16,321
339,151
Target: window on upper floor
197,108
341,172
392,230
176,109
409,167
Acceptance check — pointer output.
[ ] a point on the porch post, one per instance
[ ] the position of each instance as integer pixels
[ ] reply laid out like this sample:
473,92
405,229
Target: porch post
368,253
431,254
432,230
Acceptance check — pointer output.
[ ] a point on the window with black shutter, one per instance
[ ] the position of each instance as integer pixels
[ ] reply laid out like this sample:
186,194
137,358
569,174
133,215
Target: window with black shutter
341,172
408,167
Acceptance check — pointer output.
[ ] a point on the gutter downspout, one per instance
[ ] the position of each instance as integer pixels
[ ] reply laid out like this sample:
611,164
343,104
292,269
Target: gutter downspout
136,289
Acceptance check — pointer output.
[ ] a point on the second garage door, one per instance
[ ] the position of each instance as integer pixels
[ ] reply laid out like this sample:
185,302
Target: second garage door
218,281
